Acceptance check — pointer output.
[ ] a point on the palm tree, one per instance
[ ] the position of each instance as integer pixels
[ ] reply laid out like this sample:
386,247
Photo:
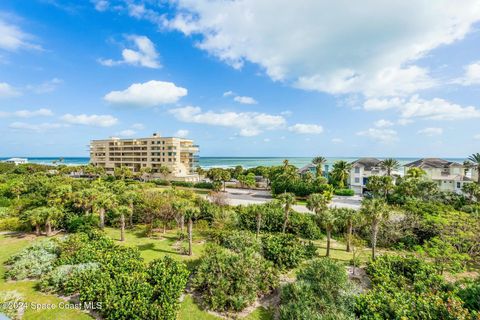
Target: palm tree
341,171
348,217
389,165
475,158
164,171
123,210
374,211
415,173
35,217
319,162
287,200
318,203
191,213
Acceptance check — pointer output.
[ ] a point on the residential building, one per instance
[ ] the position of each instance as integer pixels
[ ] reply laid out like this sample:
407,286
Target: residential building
312,168
449,175
16,161
362,169
179,155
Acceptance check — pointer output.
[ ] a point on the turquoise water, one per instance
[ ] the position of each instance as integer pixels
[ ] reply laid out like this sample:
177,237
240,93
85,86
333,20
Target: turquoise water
226,162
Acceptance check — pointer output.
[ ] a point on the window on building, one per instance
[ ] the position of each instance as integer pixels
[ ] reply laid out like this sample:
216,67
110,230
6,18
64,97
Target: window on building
357,180
459,185
357,170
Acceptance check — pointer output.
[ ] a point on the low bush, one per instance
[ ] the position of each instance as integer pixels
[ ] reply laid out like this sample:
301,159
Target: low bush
231,281
237,240
344,192
204,185
11,224
83,223
66,279
298,187
322,291
33,261
272,217
9,299
285,250
185,184
159,182
469,292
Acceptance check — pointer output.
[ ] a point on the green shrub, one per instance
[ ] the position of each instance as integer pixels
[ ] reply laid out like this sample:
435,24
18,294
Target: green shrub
470,294
237,240
298,187
185,184
34,261
66,279
9,298
300,224
159,182
285,250
344,192
322,291
11,224
231,281
83,223
203,185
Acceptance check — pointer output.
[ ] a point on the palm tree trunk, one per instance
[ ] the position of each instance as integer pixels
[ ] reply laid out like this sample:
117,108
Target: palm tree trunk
285,222
349,235
48,227
182,223
122,227
131,215
374,239
164,227
259,222
37,229
102,218
189,228
329,235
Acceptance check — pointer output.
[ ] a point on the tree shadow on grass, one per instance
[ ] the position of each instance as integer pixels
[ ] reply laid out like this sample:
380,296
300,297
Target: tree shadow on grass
151,247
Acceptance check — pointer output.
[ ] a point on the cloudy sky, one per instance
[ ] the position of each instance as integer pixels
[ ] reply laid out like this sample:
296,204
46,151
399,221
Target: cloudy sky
242,77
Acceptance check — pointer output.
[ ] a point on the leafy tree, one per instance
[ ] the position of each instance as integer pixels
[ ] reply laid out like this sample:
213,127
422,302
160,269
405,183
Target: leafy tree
319,162
472,190
444,254
415,173
340,172
374,211
287,200
247,180
390,165
347,217
123,172
318,203
475,158
380,186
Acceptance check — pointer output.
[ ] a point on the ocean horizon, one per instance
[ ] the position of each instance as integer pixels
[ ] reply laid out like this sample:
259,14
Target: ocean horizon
226,162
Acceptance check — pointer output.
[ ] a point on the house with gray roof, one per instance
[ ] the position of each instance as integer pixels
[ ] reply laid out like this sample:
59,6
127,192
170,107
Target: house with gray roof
362,169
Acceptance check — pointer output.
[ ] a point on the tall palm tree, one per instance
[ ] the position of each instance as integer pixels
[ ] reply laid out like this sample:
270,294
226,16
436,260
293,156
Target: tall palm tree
319,162
341,171
374,211
318,203
348,218
389,165
191,213
287,200
475,158
164,171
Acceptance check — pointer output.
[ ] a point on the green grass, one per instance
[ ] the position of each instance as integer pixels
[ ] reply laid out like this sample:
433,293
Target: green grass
11,244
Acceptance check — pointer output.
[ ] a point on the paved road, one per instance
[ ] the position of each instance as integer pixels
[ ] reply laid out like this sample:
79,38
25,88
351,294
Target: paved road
248,196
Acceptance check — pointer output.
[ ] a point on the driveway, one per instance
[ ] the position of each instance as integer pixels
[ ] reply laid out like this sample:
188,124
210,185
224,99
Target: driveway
250,196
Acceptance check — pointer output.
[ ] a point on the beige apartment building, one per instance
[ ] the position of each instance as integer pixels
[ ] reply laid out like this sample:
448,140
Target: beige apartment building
179,155
449,175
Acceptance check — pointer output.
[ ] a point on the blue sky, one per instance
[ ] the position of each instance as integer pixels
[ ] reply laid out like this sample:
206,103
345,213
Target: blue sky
242,78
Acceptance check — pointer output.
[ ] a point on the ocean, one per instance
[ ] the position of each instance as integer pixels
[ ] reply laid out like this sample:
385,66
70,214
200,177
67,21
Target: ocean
225,162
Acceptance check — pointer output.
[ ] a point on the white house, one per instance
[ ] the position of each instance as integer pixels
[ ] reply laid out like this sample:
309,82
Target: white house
362,169
16,161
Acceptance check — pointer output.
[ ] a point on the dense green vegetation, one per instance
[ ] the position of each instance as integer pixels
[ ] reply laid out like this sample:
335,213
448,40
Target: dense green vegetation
132,247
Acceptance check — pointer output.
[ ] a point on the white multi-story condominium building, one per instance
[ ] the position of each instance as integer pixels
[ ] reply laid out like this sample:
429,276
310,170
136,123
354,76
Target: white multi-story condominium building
155,152
16,161
362,169
449,175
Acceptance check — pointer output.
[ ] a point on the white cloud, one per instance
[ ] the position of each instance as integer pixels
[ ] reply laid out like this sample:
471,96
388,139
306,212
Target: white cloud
337,140
416,107
431,132
303,128
471,76
144,54
245,100
182,133
382,123
381,135
476,137
266,140
13,38
90,120
36,127
28,113
147,94
100,5
138,126
228,93
404,122
324,45
127,133
249,123
46,86
7,91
